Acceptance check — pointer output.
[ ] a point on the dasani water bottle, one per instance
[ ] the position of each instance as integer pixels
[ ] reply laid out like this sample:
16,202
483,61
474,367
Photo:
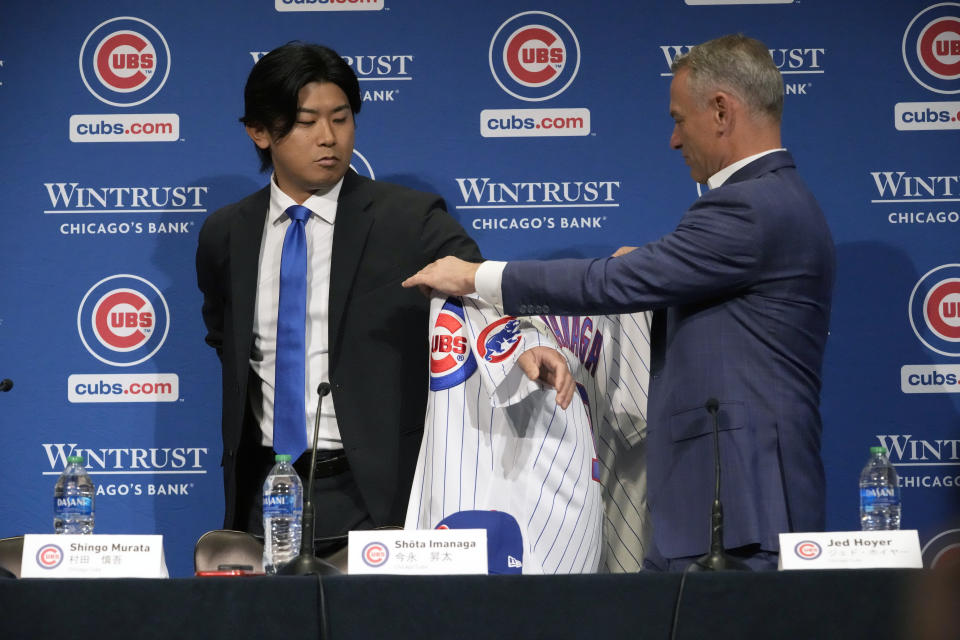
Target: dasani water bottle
73,499
282,515
879,493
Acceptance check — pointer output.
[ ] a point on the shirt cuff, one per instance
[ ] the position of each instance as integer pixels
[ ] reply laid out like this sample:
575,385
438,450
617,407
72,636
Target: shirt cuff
487,282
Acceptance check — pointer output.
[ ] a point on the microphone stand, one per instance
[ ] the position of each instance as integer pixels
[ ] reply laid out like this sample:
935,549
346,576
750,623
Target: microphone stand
716,559
307,563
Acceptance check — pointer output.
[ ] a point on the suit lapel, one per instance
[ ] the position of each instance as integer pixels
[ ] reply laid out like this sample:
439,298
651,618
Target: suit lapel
350,230
245,238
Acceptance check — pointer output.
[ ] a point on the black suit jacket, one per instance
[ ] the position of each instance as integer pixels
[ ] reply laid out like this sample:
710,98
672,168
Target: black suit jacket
377,330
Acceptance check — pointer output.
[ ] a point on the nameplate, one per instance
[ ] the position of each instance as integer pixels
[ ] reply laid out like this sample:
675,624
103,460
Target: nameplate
92,556
418,552
851,550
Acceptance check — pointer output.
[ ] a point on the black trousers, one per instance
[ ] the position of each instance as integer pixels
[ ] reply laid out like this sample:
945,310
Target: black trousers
337,504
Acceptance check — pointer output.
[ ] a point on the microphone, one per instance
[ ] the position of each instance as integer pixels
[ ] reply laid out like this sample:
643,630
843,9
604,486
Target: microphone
716,559
307,563
6,384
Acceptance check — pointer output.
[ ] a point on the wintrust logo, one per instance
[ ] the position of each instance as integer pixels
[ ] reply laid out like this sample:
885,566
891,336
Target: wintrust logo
525,202
917,199
383,69
796,65
930,464
122,467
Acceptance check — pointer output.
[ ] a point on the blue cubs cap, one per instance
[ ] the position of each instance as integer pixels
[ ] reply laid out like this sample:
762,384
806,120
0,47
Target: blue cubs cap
504,540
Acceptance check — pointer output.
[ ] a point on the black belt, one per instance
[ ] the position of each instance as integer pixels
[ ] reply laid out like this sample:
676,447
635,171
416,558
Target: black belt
329,463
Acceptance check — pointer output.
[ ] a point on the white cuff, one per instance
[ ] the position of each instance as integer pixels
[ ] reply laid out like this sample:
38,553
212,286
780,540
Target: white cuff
487,282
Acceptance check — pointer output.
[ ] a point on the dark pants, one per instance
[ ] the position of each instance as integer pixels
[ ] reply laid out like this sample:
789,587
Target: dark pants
337,504
751,555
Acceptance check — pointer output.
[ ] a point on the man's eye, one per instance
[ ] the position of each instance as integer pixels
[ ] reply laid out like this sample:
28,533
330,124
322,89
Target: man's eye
306,122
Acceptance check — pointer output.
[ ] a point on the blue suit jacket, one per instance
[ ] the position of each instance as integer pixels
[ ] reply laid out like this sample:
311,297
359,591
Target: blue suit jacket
742,292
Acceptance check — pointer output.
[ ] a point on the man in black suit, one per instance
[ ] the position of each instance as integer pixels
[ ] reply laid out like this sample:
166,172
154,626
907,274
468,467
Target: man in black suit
365,334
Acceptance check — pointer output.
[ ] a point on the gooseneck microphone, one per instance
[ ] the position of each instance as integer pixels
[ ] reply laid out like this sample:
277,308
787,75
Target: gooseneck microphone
716,559
307,563
6,384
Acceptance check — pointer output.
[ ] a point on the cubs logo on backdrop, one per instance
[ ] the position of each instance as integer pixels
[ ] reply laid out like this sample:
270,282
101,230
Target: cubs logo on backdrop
124,61
123,320
361,165
534,56
451,360
935,310
931,48
942,550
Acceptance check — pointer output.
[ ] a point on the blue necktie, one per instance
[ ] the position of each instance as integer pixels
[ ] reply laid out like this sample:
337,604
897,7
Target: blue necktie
289,414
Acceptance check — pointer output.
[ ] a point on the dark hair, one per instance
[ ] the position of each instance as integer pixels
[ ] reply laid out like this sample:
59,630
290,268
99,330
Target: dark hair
270,98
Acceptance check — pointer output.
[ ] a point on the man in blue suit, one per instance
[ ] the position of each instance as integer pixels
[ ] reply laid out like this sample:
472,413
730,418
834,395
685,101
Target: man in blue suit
741,294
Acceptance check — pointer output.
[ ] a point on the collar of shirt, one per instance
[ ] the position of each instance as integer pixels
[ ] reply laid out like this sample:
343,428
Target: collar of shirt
724,174
324,206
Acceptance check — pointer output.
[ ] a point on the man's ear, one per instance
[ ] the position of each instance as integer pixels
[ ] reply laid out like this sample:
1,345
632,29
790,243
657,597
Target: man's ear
722,106
260,136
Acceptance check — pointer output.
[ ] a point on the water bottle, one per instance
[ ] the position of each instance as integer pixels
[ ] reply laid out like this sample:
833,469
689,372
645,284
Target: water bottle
73,499
879,493
282,515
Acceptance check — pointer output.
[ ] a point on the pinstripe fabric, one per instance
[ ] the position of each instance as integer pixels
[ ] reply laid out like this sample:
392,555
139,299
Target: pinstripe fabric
498,441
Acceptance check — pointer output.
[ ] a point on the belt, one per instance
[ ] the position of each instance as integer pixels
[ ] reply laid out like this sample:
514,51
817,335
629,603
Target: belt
329,463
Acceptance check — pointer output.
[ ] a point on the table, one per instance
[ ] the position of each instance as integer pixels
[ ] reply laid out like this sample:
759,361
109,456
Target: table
803,604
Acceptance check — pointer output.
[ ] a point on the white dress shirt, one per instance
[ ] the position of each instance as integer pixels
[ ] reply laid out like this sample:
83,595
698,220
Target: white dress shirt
263,358
489,276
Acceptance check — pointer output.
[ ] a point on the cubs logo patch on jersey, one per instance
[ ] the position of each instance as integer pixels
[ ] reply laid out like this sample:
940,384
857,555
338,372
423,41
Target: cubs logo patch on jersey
499,340
451,360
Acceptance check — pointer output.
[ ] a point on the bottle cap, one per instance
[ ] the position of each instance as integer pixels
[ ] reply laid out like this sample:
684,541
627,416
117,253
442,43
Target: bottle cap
283,457
876,450
75,459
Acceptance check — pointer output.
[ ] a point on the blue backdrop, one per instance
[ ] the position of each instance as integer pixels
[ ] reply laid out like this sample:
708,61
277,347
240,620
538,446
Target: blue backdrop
545,127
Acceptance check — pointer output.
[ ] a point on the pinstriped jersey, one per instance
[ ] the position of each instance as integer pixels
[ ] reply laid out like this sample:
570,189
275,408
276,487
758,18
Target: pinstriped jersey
573,479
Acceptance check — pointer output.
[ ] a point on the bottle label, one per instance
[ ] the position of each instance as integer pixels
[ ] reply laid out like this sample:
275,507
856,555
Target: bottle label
285,505
871,497
73,505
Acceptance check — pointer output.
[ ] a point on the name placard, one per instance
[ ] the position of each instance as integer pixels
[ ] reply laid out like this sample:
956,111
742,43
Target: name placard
418,552
851,550
92,556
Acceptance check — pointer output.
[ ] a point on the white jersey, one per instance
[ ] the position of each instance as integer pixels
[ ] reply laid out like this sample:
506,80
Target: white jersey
495,440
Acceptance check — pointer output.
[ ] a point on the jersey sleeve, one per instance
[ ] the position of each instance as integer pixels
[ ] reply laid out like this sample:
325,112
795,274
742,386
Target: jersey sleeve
497,342
628,376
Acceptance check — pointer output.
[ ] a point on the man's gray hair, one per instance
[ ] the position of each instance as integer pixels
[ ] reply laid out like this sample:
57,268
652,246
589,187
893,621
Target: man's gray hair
738,65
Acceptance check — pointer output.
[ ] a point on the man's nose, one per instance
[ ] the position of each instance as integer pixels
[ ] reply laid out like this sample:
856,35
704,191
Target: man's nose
325,136
675,139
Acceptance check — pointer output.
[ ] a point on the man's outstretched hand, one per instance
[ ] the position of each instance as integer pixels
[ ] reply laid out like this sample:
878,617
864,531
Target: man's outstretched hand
449,275
549,367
